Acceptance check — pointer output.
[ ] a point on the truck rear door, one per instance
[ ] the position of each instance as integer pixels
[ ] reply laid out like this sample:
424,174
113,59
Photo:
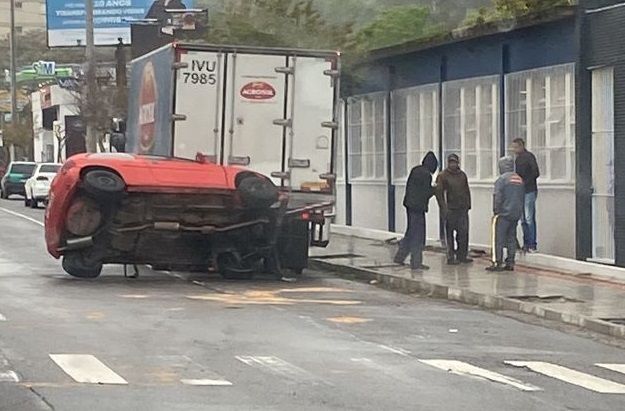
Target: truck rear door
199,99
255,97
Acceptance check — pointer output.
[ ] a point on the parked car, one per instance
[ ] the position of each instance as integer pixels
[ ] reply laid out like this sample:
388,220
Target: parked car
15,177
37,186
119,208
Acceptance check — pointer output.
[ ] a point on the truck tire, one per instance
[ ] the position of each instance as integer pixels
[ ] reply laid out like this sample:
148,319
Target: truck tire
231,267
104,184
75,265
256,191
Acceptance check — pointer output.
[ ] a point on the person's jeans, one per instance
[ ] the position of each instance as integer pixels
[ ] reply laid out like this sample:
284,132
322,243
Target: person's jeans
413,242
529,221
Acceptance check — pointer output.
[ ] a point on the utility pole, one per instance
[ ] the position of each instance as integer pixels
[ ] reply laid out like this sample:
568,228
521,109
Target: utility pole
13,68
89,105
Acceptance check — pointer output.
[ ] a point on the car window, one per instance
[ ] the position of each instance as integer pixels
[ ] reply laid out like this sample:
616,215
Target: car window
26,169
49,168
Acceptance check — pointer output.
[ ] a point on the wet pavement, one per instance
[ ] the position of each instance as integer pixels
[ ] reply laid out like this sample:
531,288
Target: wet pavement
572,296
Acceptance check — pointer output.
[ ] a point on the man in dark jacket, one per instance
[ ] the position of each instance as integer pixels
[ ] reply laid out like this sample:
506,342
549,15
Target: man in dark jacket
508,201
419,190
454,199
527,168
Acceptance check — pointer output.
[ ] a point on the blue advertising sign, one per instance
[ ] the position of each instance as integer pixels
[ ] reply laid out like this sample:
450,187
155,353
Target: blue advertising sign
66,19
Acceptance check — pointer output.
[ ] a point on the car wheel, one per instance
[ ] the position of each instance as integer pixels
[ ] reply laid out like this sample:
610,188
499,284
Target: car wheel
26,202
34,203
257,191
76,265
4,195
104,184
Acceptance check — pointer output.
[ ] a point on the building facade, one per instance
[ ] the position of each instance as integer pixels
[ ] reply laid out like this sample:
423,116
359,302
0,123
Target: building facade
29,15
472,94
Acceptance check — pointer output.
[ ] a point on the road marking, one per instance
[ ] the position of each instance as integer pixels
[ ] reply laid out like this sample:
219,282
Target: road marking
277,366
25,217
2,317
385,370
86,369
349,320
205,382
590,382
9,376
400,351
613,367
466,369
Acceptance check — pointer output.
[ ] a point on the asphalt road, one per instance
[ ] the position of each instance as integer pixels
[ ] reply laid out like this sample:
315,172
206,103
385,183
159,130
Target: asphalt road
168,341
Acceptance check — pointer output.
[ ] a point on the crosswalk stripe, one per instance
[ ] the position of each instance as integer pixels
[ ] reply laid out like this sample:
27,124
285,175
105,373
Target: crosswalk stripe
86,369
590,382
463,368
613,367
206,382
9,376
278,366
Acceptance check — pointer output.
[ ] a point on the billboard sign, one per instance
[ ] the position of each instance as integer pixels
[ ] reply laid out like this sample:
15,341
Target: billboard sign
66,19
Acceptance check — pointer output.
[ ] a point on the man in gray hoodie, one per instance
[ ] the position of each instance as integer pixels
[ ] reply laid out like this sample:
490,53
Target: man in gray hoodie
508,203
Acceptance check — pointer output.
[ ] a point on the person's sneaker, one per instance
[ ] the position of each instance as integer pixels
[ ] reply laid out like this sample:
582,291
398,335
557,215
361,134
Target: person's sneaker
509,268
466,260
421,267
495,269
453,262
532,251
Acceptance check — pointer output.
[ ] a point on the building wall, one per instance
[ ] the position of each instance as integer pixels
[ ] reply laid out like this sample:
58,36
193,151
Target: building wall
599,48
29,15
486,91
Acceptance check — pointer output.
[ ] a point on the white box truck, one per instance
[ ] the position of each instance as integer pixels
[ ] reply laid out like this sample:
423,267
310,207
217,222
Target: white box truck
271,110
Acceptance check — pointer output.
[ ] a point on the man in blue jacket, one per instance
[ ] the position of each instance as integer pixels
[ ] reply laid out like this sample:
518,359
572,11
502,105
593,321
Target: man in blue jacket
419,190
508,203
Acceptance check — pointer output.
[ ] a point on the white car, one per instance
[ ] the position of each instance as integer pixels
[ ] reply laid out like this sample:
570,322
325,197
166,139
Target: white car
37,186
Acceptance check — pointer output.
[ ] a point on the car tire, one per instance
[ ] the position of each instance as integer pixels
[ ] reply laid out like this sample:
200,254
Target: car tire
104,184
75,265
34,203
4,195
257,191
26,202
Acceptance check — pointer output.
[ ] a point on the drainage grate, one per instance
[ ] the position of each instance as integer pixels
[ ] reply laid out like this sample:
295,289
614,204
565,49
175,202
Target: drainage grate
617,321
545,299
335,256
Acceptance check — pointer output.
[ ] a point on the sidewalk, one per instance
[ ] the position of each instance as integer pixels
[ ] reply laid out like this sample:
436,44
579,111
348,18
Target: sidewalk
594,303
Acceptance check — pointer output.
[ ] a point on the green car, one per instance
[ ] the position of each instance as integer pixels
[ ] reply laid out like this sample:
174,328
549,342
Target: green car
15,177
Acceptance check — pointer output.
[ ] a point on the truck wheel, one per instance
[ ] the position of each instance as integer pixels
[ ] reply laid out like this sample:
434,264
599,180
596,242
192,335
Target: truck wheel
104,184
231,267
75,265
257,191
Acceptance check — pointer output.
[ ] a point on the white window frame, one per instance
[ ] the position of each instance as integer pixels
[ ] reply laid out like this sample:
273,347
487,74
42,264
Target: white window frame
479,84
569,118
368,137
415,149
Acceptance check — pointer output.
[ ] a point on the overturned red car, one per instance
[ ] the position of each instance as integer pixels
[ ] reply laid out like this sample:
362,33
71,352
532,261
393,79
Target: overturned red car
119,208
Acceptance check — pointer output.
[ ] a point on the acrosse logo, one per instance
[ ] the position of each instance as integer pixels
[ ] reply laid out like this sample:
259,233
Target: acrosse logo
258,90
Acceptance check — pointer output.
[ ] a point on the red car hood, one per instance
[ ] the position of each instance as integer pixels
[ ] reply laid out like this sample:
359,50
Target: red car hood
161,172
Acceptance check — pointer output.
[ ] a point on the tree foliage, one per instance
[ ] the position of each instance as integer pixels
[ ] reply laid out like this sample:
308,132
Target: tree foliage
395,26
512,9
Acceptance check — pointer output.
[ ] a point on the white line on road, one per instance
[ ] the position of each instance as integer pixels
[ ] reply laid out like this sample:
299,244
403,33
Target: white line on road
206,382
590,382
400,351
9,376
86,369
466,369
278,366
25,217
613,367
2,317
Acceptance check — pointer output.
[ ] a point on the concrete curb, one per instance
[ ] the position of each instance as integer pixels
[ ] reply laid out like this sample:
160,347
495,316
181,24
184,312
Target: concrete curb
466,296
